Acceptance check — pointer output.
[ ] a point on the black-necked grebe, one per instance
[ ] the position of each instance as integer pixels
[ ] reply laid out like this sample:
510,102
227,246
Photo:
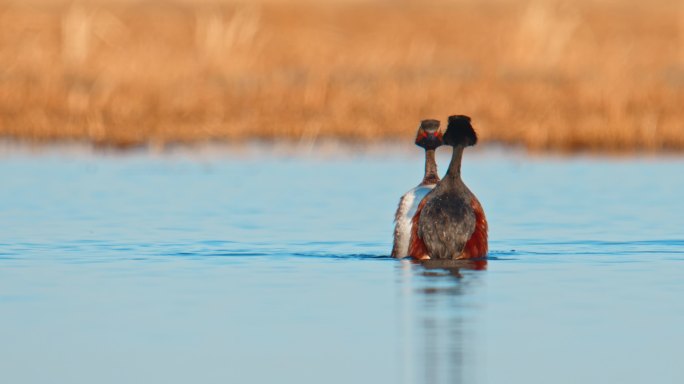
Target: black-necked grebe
450,223
429,137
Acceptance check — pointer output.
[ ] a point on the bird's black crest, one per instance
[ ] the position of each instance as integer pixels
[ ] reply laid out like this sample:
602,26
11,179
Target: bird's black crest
460,132
429,125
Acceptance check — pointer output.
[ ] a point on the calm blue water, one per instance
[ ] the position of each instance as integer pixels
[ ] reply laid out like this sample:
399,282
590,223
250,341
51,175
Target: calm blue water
249,267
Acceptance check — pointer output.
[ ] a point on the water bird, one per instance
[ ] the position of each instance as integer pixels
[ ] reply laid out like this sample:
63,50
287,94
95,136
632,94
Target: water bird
429,137
450,222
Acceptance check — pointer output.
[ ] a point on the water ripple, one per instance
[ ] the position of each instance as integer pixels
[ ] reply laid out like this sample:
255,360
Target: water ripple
89,250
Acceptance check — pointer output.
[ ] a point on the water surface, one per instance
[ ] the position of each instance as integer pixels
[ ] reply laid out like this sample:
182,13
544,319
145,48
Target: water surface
231,266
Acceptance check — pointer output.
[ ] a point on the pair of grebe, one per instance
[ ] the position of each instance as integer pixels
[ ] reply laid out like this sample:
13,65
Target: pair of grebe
441,219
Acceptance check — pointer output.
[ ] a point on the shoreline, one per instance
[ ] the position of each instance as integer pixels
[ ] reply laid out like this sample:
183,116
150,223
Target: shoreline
328,149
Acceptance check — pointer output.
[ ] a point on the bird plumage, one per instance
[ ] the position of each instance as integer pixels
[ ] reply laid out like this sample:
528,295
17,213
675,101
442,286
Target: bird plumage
428,137
450,222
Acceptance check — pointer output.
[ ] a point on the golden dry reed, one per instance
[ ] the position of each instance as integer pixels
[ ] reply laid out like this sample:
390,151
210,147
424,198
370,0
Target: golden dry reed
546,75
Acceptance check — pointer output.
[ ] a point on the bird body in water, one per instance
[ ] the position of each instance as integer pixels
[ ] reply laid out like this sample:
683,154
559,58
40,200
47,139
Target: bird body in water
449,222
428,137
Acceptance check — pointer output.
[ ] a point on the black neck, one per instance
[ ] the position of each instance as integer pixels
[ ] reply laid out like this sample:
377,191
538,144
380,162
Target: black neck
431,176
454,171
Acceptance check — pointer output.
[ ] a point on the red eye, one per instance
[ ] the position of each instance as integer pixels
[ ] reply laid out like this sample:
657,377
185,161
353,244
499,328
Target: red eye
421,136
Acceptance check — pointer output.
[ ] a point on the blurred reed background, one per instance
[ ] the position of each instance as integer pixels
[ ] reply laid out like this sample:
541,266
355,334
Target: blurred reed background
596,75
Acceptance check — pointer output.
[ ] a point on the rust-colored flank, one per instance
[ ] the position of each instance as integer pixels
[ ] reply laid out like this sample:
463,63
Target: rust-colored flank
477,246
417,248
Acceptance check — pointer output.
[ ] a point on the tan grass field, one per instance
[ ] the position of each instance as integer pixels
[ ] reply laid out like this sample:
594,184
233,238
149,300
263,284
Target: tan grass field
546,75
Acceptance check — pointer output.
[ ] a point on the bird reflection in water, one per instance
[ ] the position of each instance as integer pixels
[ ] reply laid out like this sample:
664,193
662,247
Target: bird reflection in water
438,311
